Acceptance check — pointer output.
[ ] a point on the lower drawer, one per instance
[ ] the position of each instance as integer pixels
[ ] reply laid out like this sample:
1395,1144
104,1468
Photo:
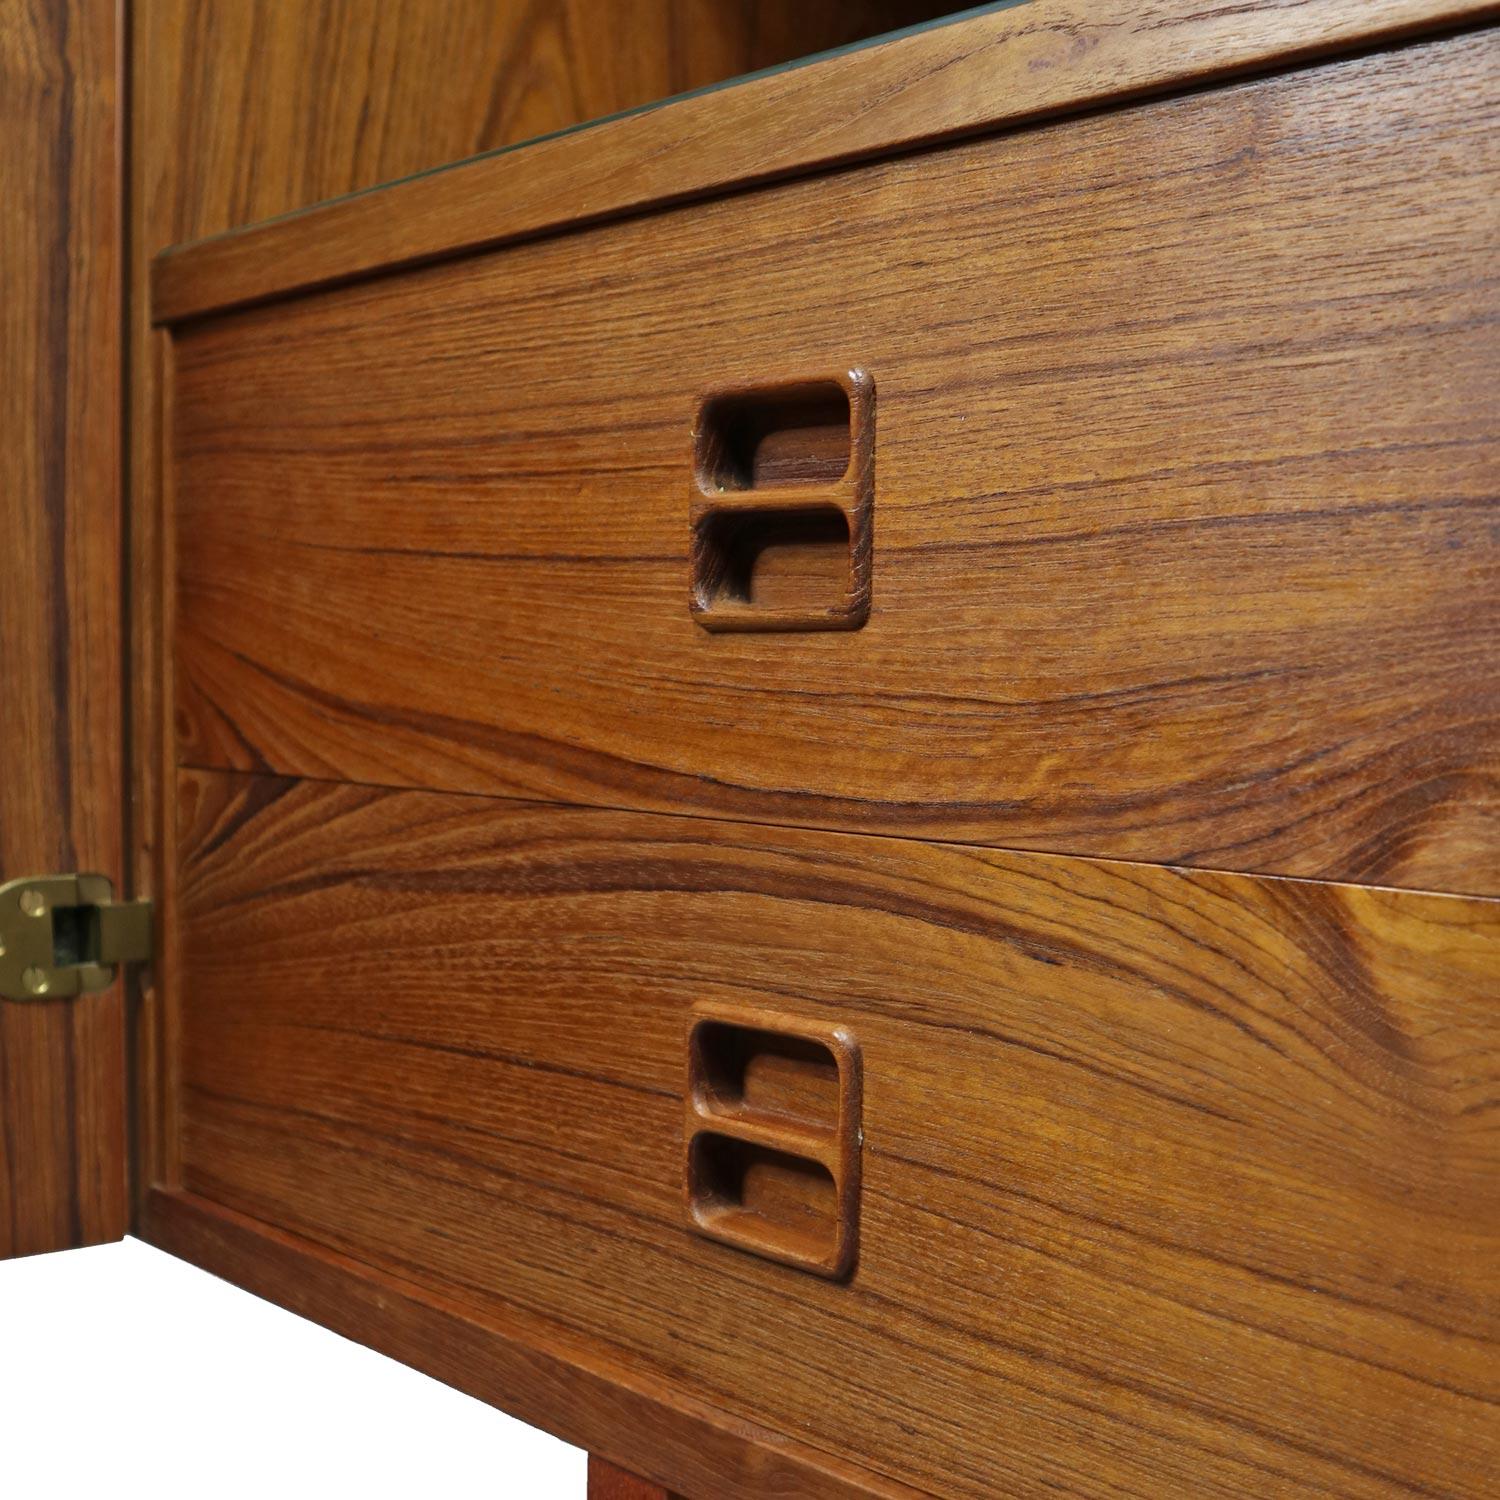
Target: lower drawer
1170,1183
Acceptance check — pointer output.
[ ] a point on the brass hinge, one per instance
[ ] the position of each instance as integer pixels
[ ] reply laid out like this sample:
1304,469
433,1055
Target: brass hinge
63,935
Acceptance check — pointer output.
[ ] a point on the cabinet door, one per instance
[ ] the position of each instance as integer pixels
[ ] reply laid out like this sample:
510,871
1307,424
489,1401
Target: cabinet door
62,1061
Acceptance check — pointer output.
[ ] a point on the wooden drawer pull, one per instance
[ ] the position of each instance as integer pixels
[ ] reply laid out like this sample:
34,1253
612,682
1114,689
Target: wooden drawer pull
782,502
773,1137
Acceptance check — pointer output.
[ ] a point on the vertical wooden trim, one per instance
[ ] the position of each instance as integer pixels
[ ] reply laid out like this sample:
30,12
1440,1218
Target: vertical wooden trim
165,1164
62,1063
154,1034
151,562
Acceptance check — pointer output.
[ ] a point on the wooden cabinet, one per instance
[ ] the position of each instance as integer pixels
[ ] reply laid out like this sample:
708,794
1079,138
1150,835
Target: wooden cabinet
819,766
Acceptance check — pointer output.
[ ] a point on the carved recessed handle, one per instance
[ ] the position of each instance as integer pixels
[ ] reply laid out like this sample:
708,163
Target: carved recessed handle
782,508
773,1136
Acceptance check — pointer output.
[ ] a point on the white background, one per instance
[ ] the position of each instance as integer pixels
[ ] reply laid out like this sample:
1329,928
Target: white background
126,1372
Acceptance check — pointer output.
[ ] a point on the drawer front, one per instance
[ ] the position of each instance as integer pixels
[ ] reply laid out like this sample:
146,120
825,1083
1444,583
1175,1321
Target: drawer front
1168,1182
1182,535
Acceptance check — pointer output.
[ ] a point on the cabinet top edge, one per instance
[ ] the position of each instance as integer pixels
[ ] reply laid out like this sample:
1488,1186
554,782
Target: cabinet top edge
1011,63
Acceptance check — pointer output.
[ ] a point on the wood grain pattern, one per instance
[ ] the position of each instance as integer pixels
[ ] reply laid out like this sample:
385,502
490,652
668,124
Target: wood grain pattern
62,1132
1174,1182
248,110
511,1361
242,110
1185,542
1015,63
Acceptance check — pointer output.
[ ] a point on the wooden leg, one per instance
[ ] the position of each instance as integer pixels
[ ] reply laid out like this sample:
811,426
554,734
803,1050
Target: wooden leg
609,1483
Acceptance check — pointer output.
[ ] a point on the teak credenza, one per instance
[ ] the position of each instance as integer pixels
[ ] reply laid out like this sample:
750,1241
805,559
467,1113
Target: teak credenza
818,766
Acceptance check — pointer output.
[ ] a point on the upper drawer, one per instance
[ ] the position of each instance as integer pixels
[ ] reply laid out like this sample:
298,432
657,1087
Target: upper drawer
1183,541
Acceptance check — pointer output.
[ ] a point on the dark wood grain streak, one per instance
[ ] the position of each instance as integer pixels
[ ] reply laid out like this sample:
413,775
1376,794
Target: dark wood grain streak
62,1168
1015,63
1185,497
1174,1182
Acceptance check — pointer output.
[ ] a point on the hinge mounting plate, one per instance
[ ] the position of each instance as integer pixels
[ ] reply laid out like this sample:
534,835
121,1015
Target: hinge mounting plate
63,935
